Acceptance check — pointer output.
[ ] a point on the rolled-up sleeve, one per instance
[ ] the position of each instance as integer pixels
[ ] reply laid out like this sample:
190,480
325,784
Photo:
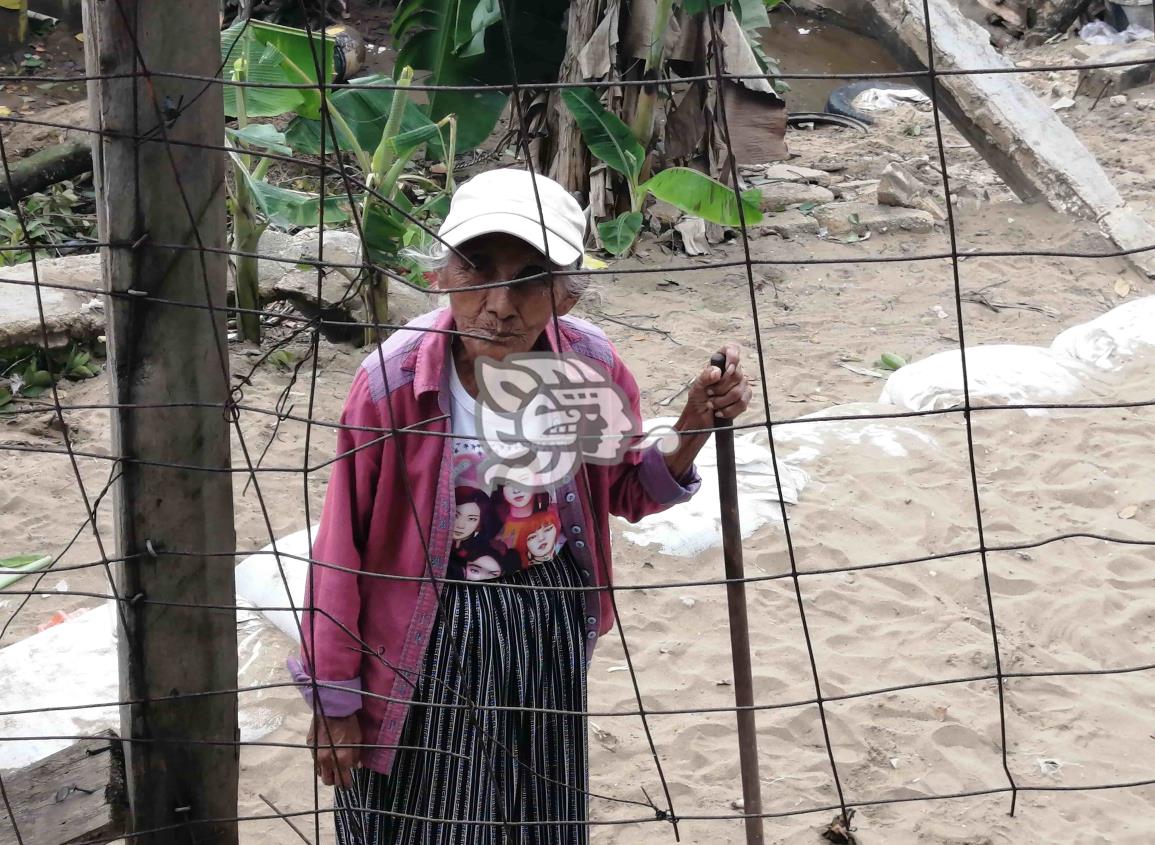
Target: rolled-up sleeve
657,480
335,699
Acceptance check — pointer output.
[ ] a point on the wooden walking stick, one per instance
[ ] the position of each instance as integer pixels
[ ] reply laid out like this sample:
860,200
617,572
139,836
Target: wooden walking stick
739,627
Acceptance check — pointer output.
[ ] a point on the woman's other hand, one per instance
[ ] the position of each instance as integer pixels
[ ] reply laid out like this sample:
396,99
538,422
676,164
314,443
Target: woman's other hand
333,759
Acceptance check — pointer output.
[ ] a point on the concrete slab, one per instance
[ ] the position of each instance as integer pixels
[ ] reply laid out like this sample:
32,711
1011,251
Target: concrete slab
840,218
789,224
72,311
788,173
1018,135
779,195
1115,80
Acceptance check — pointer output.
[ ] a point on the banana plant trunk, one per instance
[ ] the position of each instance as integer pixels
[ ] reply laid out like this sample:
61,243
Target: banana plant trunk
643,122
375,295
246,244
566,158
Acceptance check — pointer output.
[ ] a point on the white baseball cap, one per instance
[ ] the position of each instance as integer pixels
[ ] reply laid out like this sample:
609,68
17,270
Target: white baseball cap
504,201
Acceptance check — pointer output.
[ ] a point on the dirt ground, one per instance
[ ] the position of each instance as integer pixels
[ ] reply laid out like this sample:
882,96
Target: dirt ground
1079,604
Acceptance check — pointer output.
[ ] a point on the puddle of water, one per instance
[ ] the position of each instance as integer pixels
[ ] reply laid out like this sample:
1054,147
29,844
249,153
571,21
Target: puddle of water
805,45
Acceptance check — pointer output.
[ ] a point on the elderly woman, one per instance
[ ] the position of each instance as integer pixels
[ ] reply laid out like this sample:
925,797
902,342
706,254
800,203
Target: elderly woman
448,625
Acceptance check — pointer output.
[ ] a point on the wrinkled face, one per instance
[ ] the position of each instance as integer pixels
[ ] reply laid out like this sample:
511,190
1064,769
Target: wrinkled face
468,518
541,542
510,318
482,569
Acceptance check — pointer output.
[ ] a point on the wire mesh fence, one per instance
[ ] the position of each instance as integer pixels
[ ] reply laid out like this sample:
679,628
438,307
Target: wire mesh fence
837,722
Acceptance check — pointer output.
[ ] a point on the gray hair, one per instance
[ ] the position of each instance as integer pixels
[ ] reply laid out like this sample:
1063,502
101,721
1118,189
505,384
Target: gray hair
435,255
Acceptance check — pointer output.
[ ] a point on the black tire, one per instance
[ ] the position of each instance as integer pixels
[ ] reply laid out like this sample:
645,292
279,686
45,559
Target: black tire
841,99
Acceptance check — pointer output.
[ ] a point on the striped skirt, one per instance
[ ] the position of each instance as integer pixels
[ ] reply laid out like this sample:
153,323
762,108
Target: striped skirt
472,768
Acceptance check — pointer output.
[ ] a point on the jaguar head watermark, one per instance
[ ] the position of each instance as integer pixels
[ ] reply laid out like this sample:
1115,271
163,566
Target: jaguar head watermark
541,415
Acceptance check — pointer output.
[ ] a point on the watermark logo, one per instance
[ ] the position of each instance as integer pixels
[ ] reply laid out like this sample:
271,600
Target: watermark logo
540,415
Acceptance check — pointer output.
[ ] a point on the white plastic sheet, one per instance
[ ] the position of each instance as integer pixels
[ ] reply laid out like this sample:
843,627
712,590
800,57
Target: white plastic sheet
75,663
801,443
261,582
691,527
1101,32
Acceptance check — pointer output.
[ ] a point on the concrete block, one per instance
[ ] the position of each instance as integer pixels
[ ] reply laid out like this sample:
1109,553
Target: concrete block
779,195
1116,79
789,224
837,218
68,314
791,173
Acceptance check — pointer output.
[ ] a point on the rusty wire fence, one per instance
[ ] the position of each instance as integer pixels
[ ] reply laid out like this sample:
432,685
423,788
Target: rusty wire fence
293,381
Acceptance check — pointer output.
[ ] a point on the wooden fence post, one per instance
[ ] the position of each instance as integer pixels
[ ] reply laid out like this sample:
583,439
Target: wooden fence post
157,203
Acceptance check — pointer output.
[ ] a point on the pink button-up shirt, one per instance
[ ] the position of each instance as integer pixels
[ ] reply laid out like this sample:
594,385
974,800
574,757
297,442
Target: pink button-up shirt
387,526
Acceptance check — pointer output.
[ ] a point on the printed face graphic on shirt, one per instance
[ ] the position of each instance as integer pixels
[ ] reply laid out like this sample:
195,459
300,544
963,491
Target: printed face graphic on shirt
467,521
540,543
499,531
482,569
519,498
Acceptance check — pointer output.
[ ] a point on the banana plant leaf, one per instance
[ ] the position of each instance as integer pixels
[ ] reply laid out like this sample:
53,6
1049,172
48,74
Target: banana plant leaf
365,108
754,21
619,234
384,229
477,112
295,209
605,134
261,136
309,51
269,52
697,194
12,569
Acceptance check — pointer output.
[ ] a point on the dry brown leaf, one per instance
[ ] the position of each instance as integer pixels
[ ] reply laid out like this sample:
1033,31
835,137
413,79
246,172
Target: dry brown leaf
1122,287
1128,512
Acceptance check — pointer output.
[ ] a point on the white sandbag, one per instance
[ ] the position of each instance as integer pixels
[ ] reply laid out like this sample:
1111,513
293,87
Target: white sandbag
261,583
804,442
1000,374
75,663
1109,340
691,527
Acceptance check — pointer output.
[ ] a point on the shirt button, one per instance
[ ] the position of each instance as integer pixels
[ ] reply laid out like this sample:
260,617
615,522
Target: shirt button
581,544
576,529
591,620
592,635
569,497
586,574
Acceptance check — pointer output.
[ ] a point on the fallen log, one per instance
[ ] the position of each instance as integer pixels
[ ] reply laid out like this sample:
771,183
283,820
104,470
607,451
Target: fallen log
47,167
1017,134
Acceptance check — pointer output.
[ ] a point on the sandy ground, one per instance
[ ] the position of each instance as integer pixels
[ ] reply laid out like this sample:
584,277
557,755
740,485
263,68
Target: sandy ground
1079,604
